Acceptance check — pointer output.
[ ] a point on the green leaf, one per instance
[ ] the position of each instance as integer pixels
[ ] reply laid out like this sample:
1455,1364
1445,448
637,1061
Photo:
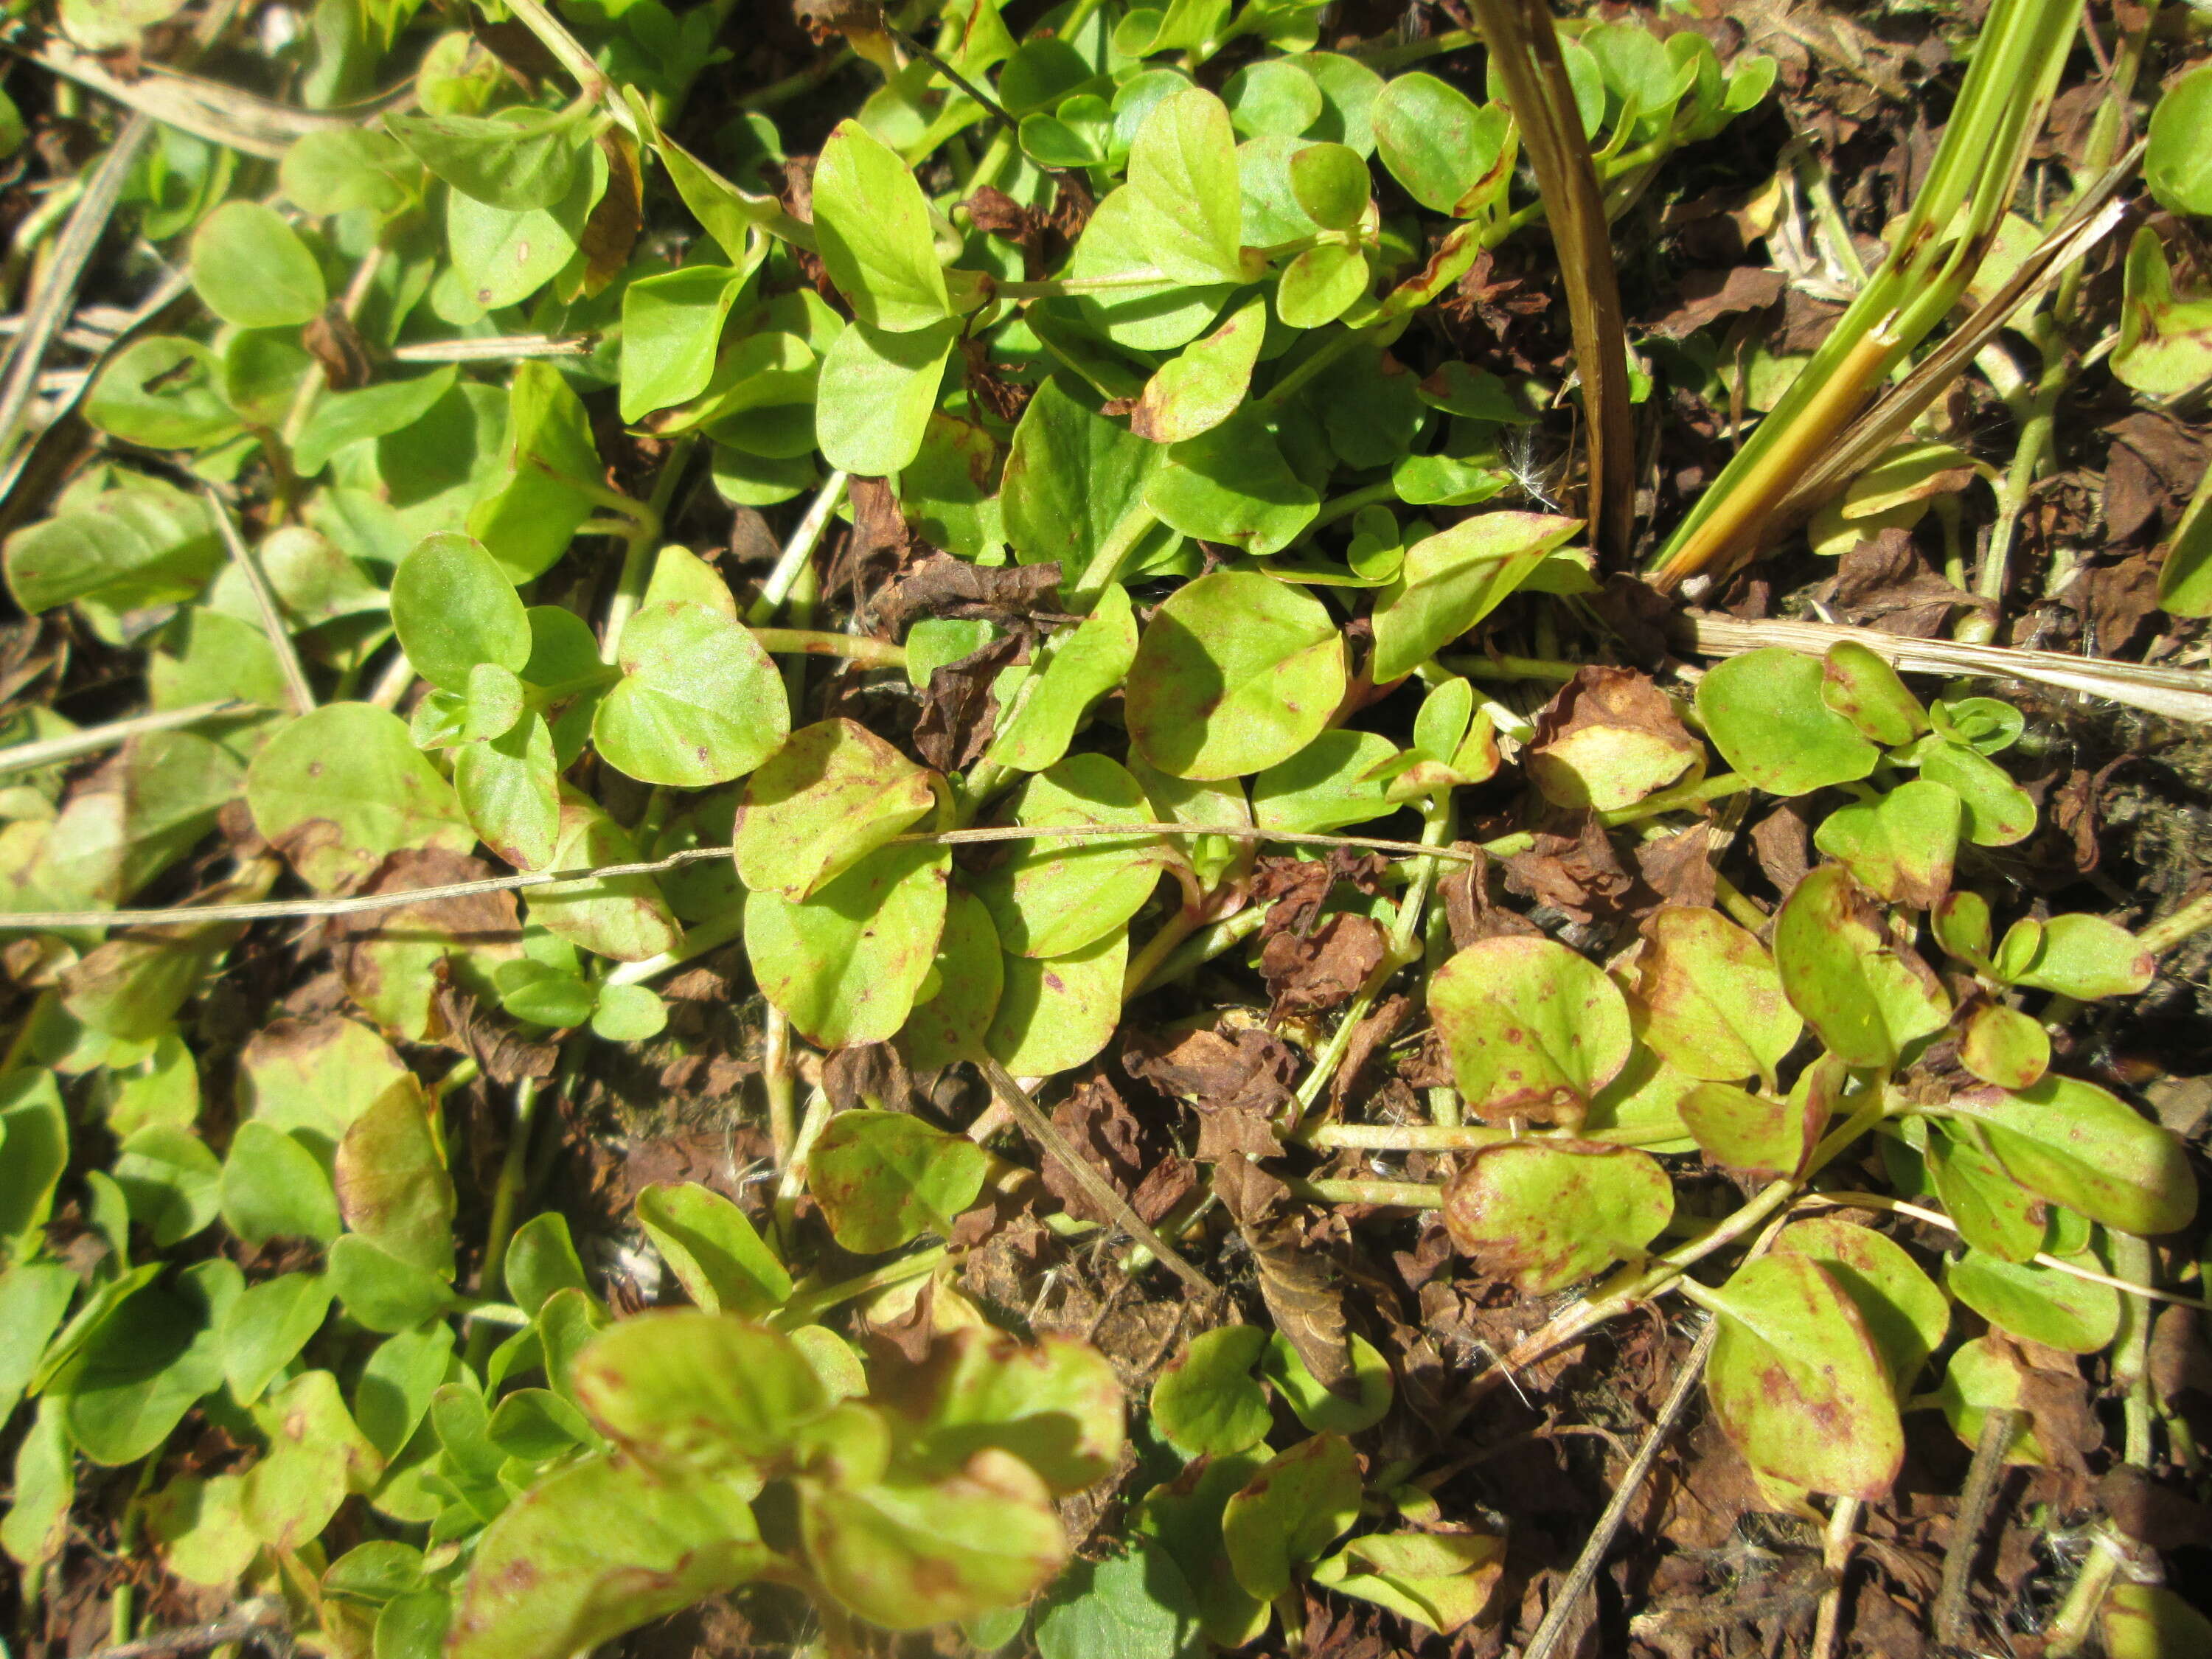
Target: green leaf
906,1554
1320,285
1442,1580
274,1187
968,972
264,1331
1203,387
163,392
380,1292
2083,1147
628,1013
1235,672
884,1178
2086,957
1865,996
833,793
712,1249
593,1551
515,160
1135,1604
1051,897
33,1296
1542,1214
2004,1046
1898,846
1451,155
541,1260
502,256
35,1529
1758,1134
698,1392
453,608
1533,1031
1329,784
1271,95
1998,812
1797,1383
1055,1012
145,544
2039,1304
1183,192
1207,1400
2178,166
344,787
671,326
1767,713
1184,1517
312,1080
1906,1315
699,703
625,917
34,1133
509,787
1866,690
1076,670
252,268
1318,1407
871,226
1231,484
1289,1512
1071,477
878,389
392,1182
141,1367
846,964
527,523
1992,1211
1055,1404
342,169
341,418
1330,182
1451,580
1715,1003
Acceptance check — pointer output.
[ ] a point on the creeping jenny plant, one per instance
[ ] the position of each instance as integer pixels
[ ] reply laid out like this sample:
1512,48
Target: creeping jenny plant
1128,316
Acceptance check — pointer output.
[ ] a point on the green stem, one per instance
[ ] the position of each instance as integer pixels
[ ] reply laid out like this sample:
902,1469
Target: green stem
1415,52
1511,668
1172,933
807,1305
1343,506
1214,940
1296,377
492,1277
1106,563
1403,1194
710,935
1675,799
814,642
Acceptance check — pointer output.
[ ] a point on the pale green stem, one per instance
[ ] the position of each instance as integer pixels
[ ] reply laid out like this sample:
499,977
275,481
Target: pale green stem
806,1306
1402,1194
710,935
813,642
1106,564
796,551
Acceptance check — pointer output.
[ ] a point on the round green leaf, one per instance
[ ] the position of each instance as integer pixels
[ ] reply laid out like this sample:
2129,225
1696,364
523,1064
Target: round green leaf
1998,812
1183,189
1055,1012
163,392
1898,846
884,1178
1866,690
454,607
830,796
1444,151
846,964
172,1181
1203,387
1715,1000
1289,1512
1906,1312
340,170
1765,712
274,1187
1330,183
1330,783
1756,1133
1318,1407
1053,898
1993,1212
1797,1383
1542,1214
871,222
252,268
2178,166
1865,996
625,917
878,390
699,703
1533,1031
1320,285
515,159
1208,1401
340,788
628,1013
697,1391
1272,96
2005,1047
1235,672
1230,483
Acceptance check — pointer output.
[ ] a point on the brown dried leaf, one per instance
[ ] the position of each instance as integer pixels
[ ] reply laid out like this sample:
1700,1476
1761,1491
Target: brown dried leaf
1472,913
1371,1034
1607,740
1236,1080
1308,974
1706,295
942,586
1099,1125
1578,875
491,1040
1299,1282
868,1075
959,710
1679,867
1782,843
